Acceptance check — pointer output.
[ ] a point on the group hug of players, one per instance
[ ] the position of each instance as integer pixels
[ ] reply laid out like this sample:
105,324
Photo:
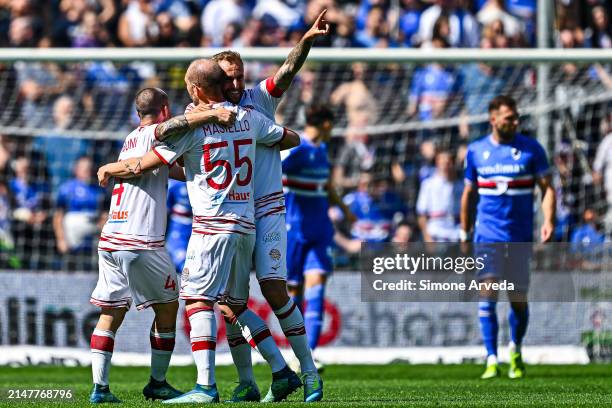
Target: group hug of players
227,148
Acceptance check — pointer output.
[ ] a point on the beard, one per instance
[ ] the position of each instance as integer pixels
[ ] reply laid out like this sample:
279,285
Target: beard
506,134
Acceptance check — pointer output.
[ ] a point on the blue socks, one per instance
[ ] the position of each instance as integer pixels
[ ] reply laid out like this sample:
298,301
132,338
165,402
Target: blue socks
518,320
489,326
313,316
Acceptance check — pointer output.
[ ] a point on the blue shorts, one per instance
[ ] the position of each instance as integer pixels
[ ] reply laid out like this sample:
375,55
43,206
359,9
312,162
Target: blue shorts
505,261
304,256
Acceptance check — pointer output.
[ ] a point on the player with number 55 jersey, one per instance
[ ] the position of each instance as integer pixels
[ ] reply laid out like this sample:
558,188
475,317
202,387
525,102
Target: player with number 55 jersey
219,173
134,264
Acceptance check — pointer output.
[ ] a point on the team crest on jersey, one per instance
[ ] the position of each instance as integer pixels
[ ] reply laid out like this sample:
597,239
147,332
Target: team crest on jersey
516,153
275,254
185,274
486,154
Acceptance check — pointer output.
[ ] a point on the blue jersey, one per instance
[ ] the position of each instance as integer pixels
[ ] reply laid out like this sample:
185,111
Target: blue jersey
30,196
374,215
180,216
505,175
179,210
76,196
305,177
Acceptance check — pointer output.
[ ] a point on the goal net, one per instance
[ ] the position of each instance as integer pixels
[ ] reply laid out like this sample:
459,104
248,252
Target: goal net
394,110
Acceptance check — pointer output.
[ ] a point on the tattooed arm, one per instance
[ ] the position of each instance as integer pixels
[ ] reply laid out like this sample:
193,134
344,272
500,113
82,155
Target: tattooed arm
298,55
200,115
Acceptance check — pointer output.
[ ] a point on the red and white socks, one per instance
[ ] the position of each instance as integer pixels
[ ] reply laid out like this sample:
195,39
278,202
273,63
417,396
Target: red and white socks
241,352
162,346
292,323
258,335
203,342
102,345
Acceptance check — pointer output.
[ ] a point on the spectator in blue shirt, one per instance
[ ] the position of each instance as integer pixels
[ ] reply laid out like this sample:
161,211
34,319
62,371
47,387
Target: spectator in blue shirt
78,214
431,89
30,195
377,209
375,34
588,233
409,22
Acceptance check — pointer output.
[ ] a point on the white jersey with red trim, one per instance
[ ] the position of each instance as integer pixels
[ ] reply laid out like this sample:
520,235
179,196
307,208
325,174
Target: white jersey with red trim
219,169
269,197
137,216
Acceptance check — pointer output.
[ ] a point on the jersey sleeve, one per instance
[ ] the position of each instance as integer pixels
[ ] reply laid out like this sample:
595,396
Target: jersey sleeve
266,96
62,198
174,147
269,132
470,175
540,161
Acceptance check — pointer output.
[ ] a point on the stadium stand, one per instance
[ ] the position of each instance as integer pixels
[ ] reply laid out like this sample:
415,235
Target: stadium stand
392,117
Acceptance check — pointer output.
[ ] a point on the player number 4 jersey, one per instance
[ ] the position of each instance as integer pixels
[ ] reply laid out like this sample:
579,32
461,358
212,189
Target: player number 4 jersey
137,216
219,165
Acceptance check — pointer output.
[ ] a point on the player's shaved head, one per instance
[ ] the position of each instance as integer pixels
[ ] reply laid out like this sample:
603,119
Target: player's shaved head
208,76
150,101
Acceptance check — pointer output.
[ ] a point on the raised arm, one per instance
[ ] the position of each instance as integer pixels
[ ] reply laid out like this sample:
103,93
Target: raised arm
195,118
298,54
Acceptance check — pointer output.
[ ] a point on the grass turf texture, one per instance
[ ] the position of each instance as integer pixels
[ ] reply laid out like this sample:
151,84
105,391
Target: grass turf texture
393,385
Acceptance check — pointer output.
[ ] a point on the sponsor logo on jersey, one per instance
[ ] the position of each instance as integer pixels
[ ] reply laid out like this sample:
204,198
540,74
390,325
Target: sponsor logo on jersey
119,215
498,168
273,236
275,254
236,196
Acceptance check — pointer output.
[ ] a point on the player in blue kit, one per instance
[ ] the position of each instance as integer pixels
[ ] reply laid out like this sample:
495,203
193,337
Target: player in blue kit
179,222
306,173
503,169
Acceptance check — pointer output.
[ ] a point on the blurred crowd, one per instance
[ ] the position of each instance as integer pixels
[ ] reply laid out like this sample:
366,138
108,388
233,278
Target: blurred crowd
254,23
402,185
50,218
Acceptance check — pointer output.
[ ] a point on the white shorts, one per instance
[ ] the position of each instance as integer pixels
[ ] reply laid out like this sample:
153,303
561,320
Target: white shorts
271,248
216,267
146,276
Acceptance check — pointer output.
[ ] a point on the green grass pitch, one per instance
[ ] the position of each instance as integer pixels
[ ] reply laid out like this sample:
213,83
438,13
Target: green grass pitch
395,385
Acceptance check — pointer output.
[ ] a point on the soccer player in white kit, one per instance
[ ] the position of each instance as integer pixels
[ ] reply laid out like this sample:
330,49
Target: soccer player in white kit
219,172
271,235
134,265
